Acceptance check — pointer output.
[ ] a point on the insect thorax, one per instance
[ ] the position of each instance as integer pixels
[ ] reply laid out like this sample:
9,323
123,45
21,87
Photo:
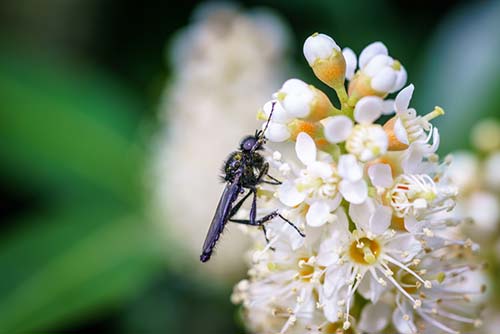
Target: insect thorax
247,164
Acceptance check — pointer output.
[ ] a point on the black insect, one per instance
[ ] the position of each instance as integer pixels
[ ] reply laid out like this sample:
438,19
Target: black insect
244,169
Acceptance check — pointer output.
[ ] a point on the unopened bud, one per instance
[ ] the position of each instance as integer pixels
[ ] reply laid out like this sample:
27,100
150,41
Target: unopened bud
326,59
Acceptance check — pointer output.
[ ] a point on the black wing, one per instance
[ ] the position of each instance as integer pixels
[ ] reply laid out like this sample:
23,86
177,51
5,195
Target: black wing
221,217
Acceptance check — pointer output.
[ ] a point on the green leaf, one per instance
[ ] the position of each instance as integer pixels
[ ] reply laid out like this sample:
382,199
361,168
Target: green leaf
67,127
461,72
69,264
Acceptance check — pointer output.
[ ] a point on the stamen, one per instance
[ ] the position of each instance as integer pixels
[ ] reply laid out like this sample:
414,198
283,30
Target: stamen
438,111
426,283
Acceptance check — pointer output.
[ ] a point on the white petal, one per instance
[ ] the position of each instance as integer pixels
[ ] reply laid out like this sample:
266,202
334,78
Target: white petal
337,128
377,64
279,113
333,285
289,195
326,256
384,80
350,61
297,99
491,168
464,170
319,46
370,289
349,168
331,310
403,98
320,168
380,220
401,79
412,225
277,132
403,326
412,159
341,224
335,202
318,214
361,213
368,109
380,175
388,107
305,148
354,192
410,245
371,51
400,132
483,207
374,317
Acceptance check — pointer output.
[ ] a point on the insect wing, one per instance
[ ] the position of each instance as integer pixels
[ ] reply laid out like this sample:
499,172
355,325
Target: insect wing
221,216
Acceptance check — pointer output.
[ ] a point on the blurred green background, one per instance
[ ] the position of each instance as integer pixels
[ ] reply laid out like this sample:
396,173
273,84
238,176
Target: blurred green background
80,82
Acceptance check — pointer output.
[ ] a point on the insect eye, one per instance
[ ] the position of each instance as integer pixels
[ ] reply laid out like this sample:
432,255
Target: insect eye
248,143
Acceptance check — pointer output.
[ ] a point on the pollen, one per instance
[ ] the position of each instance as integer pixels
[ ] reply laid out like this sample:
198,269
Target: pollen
364,251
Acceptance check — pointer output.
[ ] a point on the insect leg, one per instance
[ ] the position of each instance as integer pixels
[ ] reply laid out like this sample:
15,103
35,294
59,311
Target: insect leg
273,182
253,209
274,179
259,222
265,219
292,225
263,171
238,205
265,233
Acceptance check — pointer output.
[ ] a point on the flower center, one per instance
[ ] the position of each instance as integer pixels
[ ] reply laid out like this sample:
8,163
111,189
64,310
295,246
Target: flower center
335,328
412,193
416,126
316,186
364,251
308,271
367,141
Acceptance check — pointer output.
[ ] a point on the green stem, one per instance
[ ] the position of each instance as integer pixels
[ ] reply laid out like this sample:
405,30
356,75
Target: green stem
346,110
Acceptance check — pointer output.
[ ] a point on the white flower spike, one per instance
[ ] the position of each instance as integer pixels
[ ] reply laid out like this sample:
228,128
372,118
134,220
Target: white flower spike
373,201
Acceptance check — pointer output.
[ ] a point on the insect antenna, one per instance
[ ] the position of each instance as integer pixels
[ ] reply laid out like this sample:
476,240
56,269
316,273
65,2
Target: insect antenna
262,132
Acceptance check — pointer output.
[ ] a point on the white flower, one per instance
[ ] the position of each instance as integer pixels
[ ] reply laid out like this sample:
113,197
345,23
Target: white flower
337,128
315,186
319,46
303,101
353,187
491,174
368,109
408,127
367,141
326,59
286,292
483,208
351,62
296,98
365,255
463,171
277,129
396,247
387,75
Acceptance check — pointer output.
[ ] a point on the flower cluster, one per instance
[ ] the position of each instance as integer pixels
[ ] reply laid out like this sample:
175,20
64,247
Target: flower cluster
476,175
370,196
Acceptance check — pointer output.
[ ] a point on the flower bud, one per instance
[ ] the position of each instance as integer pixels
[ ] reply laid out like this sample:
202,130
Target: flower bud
326,59
303,101
379,74
297,126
